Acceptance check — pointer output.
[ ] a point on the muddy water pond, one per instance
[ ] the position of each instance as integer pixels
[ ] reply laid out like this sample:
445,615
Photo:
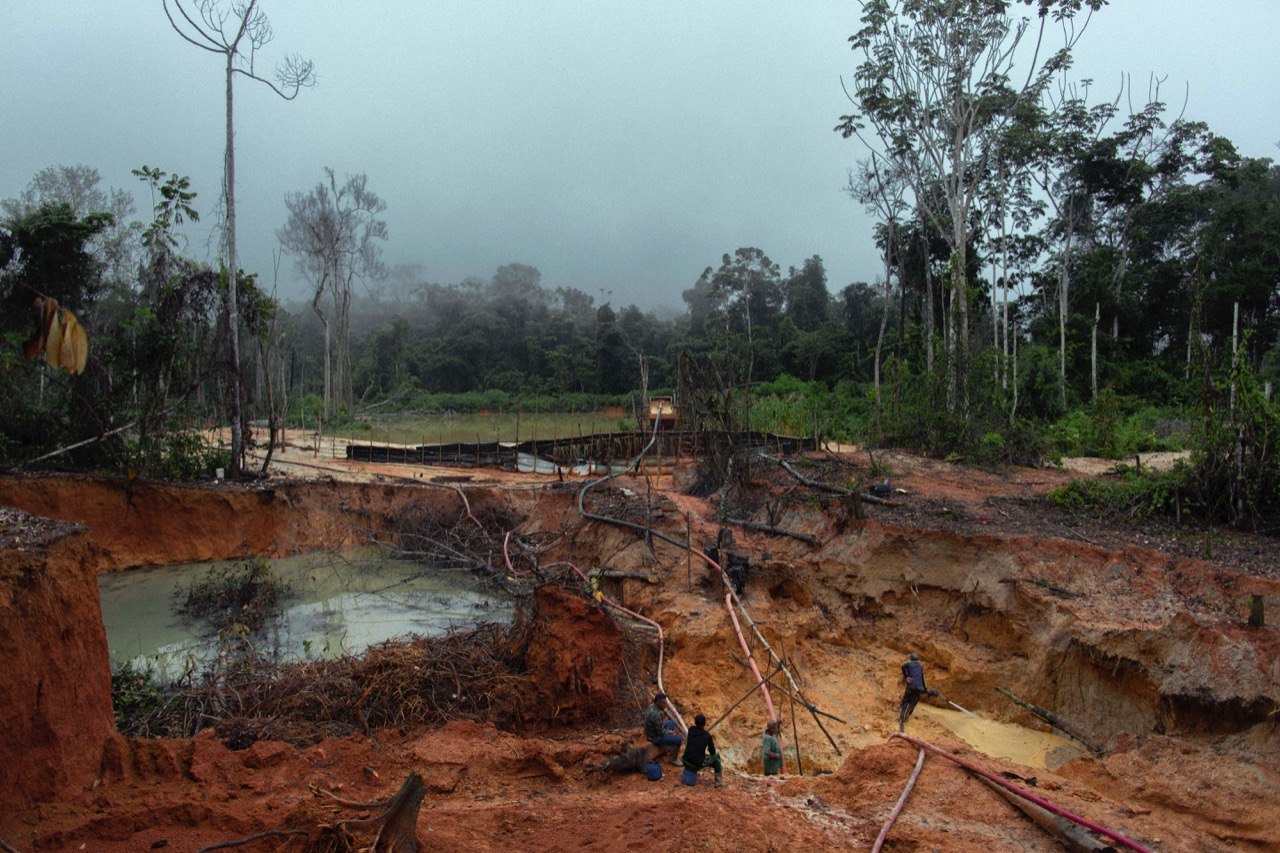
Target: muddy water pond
1045,750
338,603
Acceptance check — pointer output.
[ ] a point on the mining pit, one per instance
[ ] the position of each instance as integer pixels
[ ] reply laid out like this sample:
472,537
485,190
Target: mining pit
1144,651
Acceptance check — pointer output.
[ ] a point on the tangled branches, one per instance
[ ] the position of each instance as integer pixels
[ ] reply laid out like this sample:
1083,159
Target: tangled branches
472,541
464,675
243,594
621,503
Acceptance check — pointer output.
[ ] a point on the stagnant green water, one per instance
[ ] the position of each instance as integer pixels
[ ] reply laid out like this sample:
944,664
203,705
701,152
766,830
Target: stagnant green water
338,604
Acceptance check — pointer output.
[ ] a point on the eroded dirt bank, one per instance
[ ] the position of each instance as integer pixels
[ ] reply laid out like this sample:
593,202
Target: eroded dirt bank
55,681
145,524
1148,653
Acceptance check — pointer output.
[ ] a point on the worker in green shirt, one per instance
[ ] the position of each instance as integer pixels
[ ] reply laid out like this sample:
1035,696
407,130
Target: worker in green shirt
771,750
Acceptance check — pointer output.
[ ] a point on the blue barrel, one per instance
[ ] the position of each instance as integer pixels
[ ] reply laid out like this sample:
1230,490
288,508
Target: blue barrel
689,777
653,770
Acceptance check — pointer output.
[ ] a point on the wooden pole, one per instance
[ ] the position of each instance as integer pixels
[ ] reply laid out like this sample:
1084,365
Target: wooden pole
787,668
648,516
744,696
740,662
795,732
688,537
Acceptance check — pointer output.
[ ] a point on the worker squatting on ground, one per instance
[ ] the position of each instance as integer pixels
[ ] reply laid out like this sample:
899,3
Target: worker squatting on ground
913,682
696,750
660,731
771,749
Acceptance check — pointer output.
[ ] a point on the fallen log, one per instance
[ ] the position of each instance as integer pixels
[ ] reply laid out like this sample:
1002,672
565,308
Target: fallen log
1026,795
620,574
779,531
1054,720
631,761
1075,839
835,490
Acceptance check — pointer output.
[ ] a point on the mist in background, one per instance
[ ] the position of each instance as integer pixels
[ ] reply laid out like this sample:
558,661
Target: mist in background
618,148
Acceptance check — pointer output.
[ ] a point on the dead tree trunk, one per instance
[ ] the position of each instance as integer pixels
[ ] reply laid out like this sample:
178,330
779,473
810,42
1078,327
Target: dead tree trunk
397,823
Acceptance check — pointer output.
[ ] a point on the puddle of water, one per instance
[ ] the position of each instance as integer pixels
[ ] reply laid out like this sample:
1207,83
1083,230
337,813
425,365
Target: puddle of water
339,604
1043,750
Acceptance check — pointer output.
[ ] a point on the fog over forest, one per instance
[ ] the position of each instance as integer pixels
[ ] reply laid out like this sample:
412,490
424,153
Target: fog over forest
1000,231
619,149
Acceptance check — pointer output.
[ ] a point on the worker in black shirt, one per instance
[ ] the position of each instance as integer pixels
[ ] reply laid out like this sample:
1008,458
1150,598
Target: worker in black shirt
697,745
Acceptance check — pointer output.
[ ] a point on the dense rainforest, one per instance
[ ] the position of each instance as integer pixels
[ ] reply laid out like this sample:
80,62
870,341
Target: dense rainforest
1070,277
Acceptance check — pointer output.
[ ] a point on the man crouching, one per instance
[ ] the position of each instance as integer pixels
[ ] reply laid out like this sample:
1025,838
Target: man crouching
660,731
696,752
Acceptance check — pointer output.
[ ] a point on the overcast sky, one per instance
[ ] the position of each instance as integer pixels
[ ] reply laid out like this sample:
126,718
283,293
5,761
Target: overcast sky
615,146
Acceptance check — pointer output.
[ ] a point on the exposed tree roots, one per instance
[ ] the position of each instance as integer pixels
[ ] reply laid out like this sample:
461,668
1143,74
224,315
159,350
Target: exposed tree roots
396,825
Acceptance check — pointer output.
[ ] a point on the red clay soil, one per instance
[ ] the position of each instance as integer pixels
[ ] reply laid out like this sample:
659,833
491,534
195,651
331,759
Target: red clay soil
1147,650
56,712
574,656
144,524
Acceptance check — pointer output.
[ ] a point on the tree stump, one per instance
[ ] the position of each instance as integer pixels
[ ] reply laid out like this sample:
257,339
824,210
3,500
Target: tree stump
1257,612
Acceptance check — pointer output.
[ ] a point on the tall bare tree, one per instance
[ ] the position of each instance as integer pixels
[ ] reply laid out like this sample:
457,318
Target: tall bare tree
936,88
882,193
332,230
236,30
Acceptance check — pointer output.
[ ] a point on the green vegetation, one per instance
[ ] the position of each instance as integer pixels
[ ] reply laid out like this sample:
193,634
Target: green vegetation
139,697
483,426
1117,427
1131,494
179,454
243,595
1076,278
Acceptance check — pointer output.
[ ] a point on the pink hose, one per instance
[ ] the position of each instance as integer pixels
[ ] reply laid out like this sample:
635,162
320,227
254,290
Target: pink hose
746,649
1025,794
897,809
582,510
506,555
737,628
728,603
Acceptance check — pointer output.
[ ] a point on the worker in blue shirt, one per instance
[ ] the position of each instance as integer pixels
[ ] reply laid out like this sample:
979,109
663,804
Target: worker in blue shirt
913,682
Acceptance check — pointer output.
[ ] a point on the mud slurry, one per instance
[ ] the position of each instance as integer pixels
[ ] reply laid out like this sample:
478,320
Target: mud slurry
1145,653
1020,744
